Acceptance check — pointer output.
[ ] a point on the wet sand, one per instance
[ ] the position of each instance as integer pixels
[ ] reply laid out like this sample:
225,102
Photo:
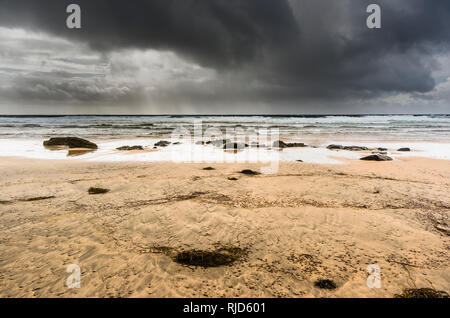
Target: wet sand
306,222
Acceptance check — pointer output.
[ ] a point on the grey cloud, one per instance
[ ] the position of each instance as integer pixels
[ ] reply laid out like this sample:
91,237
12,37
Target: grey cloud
263,50
65,87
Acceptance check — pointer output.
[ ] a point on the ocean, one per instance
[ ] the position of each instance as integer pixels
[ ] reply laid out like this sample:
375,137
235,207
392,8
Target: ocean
427,135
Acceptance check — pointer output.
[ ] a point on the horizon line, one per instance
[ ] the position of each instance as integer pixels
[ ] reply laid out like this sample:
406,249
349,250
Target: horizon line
223,115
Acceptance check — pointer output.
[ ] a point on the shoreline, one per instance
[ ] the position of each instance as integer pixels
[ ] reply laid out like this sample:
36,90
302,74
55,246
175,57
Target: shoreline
188,151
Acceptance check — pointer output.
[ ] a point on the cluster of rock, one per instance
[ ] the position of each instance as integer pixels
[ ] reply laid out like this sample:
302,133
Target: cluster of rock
380,154
228,144
75,142
360,148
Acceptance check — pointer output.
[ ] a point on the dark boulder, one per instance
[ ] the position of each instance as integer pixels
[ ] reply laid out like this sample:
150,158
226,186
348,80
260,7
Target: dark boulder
335,147
129,148
282,144
162,143
377,157
296,144
382,149
404,149
71,142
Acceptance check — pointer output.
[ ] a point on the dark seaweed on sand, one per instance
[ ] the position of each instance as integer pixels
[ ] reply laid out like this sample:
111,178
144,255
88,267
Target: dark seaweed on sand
219,257
249,172
38,198
93,190
325,284
422,293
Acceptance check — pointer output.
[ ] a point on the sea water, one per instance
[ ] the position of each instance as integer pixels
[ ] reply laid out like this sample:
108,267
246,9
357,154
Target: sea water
427,136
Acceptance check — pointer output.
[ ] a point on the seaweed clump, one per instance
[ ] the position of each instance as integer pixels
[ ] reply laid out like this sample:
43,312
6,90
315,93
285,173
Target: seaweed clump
219,257
422,293
249,172
325,284
93,190
38,198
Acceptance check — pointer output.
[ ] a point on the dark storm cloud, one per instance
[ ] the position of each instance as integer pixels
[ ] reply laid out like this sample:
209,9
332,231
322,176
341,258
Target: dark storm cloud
292,49
219,33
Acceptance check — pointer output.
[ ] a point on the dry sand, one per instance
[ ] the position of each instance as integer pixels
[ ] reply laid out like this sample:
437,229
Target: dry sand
303,223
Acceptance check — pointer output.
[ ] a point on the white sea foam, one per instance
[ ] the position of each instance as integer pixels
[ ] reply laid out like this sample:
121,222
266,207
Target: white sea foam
190,152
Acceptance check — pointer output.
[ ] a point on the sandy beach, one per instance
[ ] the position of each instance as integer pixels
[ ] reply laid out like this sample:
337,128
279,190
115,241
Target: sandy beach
212,150
306,222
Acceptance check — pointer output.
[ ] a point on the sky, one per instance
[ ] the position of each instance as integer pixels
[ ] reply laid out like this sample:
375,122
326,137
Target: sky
224,57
